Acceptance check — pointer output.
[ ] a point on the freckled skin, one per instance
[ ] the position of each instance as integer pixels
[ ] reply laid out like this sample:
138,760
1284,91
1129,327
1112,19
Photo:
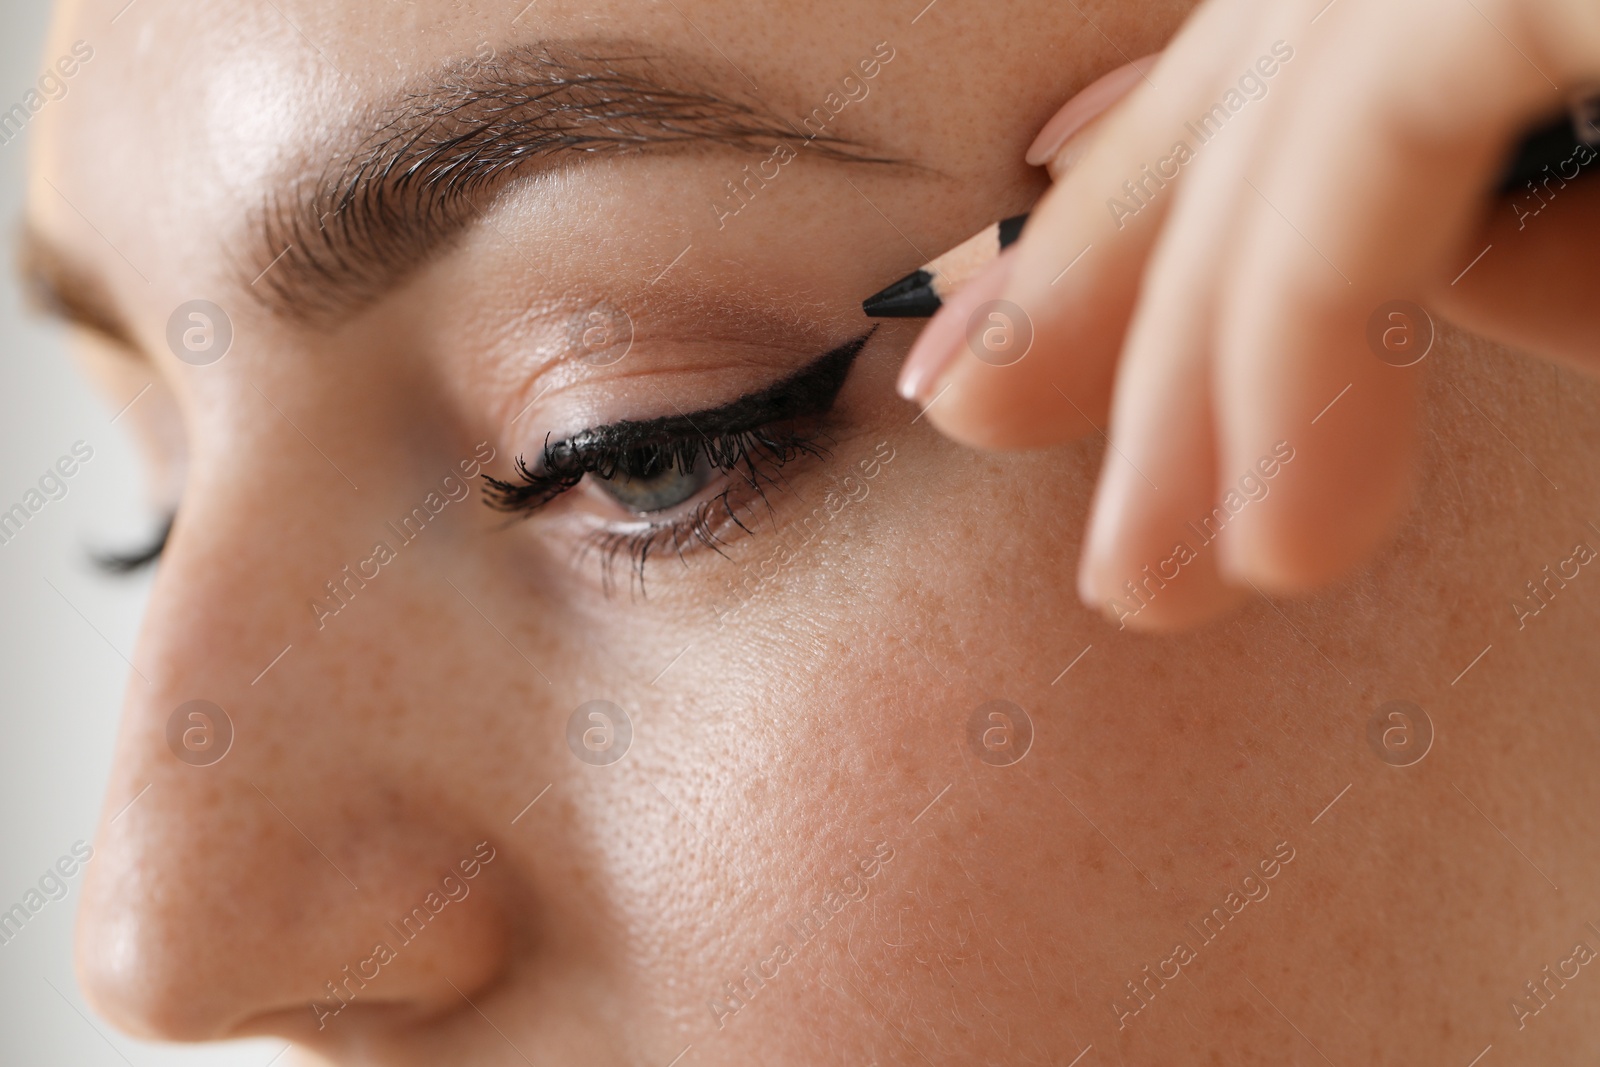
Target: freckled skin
829,716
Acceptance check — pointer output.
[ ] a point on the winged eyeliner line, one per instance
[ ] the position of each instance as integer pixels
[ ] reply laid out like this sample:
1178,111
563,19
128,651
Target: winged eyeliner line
811,390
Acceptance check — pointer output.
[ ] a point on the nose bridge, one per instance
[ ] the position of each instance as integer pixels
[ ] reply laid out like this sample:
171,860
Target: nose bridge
255,838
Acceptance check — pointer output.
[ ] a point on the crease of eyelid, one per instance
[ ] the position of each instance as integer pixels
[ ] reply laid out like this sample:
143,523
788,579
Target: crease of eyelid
129,561
430,157
54,285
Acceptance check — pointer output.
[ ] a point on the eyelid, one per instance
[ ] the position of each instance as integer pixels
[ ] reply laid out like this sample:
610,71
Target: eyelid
811,390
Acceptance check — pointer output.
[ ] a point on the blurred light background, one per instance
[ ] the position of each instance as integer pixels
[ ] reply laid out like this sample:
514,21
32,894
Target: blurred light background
66,632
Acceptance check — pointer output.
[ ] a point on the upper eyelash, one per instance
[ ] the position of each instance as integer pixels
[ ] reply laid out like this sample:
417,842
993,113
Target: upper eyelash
754,454
565,463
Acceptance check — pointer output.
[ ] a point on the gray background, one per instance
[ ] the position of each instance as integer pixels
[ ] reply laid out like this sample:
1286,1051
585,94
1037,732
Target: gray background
62,669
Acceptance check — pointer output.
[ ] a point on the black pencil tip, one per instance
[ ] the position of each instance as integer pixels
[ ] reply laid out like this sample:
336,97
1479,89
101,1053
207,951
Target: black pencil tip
912,297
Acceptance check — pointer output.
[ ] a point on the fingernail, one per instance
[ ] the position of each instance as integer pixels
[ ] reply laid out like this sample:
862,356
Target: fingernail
945,337
1101,538
1085,107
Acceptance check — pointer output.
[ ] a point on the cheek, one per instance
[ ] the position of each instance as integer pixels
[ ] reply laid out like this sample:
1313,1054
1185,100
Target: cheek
832,719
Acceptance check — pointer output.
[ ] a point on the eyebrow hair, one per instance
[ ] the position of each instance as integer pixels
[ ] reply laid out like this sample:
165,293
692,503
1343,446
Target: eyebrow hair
415,172
54,284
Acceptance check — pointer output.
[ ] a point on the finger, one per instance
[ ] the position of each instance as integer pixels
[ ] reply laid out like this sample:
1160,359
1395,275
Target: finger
1161,502
1147,562
1528,274
1079,260
1362,197
1079,114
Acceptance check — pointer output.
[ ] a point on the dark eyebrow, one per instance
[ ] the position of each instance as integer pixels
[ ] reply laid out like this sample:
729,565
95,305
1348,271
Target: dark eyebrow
413,173
55,284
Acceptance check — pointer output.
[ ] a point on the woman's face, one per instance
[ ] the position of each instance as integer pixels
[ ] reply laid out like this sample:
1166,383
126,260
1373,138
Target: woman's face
797,830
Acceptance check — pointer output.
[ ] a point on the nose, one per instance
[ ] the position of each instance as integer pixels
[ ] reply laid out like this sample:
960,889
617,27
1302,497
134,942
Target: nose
261,862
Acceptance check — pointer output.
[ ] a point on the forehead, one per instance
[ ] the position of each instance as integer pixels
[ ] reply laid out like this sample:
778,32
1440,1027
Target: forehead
202,112
152,173
184,118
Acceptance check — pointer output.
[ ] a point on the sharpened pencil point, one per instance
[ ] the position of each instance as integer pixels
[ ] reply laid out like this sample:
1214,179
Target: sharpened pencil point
912,297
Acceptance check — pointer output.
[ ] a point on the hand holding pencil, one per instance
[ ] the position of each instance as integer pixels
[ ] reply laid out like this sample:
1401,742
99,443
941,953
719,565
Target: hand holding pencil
1242,242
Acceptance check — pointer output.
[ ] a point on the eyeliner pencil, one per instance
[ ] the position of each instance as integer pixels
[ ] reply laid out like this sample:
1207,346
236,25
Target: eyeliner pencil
922,292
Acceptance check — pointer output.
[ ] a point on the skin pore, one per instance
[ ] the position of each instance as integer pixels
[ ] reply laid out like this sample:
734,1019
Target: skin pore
800,722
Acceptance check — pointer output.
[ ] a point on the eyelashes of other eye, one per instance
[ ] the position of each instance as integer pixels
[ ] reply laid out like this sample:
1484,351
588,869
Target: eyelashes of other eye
132,560
653,468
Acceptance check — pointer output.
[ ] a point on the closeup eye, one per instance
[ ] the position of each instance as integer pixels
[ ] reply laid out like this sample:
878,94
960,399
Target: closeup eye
643,494
724,457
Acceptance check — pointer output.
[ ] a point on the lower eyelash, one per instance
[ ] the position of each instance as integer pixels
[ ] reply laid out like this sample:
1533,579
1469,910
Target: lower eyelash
696,528
756,461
